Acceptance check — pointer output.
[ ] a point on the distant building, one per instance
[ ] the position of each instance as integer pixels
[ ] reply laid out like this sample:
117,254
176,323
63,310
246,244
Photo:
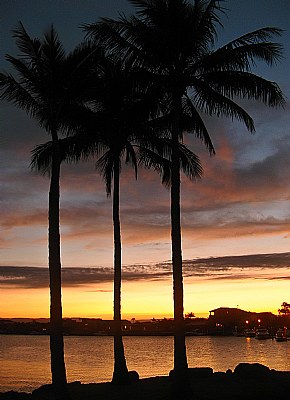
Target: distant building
229,315
225,320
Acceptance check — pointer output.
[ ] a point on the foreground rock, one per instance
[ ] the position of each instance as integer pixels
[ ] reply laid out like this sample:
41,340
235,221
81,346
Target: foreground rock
248,381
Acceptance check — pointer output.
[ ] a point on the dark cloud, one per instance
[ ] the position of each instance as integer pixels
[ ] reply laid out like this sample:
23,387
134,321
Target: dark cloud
276,260
38,277
23,277
255,266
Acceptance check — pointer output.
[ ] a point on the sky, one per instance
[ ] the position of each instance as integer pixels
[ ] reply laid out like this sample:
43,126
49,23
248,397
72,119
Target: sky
235,220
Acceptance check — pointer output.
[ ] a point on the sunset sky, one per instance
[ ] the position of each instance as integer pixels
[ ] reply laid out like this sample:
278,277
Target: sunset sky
235,221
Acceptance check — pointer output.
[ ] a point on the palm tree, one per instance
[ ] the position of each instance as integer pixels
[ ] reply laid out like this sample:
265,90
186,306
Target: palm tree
126,139
117,108
120,129
174,41
48,86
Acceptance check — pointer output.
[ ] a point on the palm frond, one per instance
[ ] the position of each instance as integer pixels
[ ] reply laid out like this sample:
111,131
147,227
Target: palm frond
241,58
245,85
41,158
105,166
107,33
28,76
192,122
190,163
73,149
160,162
212,102
52,49
160,145
149,8
262,34
131,158
14,92
204,18
148,159
30,48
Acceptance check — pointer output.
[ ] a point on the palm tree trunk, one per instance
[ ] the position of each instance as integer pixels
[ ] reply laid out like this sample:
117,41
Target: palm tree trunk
59,381
120,374
180,359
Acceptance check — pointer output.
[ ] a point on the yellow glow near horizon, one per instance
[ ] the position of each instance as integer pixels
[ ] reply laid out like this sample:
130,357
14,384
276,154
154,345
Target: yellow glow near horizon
148,299
24,303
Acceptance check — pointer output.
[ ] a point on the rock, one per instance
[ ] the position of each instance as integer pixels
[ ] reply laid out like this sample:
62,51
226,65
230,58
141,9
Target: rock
229,371
74,384
133,376
11,395
255,370
220,374
44,391
194,373
202,372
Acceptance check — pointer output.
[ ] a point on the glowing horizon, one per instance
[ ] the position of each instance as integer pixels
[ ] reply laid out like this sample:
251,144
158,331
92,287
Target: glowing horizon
233,281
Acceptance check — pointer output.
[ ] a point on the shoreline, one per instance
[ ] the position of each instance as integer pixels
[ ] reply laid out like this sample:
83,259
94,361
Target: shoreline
136,333
247,381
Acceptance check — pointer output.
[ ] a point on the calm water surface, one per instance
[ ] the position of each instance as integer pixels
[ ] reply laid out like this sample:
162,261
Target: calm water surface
25,361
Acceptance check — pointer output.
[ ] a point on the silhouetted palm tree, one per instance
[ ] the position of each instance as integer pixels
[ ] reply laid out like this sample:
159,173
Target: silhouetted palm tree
120,129
118,109
48,87
174,41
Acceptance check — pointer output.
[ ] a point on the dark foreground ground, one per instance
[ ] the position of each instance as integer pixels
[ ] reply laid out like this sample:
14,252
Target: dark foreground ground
247,382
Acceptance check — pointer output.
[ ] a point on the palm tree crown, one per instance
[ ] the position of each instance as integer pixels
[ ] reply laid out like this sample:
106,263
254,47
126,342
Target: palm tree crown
184,59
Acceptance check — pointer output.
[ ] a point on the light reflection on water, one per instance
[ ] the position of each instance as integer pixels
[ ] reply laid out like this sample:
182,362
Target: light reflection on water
25,361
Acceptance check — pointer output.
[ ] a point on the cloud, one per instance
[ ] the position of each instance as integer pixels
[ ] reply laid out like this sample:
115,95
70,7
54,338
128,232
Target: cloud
38,277
244,192
23,277
255,266
274,260
226,182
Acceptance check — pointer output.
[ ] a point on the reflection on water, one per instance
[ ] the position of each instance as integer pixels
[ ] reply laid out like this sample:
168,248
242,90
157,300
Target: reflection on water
25,362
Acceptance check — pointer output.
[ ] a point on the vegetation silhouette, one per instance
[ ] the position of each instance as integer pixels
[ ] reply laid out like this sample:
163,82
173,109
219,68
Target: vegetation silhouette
174,42
285,309
48,86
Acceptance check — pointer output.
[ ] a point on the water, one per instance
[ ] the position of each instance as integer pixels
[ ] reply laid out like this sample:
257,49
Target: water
25,360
